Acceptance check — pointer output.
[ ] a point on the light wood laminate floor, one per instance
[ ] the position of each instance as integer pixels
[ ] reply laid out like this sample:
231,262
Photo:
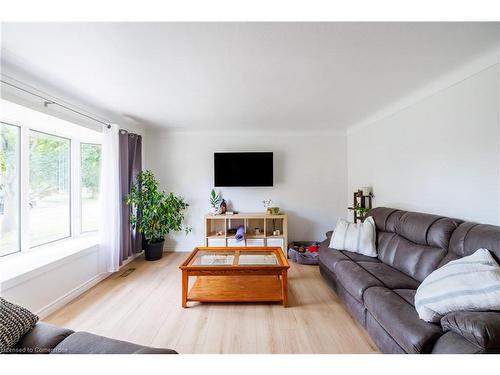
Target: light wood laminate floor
145,308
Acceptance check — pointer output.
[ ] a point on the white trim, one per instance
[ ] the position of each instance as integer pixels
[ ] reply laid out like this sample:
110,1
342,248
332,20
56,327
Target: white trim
481,63
130,259
165,132
177,250
24,190
71,295
24,99
75,188
26,117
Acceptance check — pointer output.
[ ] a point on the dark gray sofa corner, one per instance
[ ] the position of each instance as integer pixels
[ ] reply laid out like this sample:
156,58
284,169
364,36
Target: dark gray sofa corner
379,292
48,339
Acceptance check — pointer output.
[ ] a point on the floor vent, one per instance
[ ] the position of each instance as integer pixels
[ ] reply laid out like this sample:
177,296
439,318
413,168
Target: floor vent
127,272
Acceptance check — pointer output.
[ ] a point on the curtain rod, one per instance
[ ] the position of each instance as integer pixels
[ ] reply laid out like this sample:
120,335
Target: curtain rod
47,102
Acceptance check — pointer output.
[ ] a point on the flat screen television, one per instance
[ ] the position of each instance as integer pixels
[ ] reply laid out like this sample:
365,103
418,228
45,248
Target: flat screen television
239,169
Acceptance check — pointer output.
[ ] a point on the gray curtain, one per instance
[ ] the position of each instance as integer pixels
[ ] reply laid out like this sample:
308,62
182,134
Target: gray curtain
130,166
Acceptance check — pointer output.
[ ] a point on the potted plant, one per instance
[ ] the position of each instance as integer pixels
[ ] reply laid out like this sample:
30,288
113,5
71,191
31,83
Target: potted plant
215,200
155,213
361,212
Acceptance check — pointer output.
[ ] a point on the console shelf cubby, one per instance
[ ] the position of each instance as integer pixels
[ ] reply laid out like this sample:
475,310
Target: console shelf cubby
217,230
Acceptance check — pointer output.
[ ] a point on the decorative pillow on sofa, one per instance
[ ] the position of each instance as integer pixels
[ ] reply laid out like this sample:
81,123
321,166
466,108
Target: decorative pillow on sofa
470,283
15,322
358,238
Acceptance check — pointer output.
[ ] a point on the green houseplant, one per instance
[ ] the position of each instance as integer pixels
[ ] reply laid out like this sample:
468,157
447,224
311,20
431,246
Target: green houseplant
361,211
155,213
215,200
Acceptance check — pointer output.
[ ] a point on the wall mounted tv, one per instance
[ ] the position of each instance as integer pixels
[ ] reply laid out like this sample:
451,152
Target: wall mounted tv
240,169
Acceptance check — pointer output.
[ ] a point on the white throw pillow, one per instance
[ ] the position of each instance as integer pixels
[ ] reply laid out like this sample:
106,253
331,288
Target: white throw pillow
357,238
470,283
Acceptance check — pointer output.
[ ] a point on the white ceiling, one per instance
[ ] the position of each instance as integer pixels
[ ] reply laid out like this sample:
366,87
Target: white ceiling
235,76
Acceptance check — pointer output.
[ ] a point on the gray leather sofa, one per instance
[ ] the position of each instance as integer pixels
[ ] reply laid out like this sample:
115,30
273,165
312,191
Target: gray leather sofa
48,339
379,292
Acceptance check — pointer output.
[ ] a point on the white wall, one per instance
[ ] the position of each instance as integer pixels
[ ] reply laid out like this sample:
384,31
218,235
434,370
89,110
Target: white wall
46,288
309,176
440,155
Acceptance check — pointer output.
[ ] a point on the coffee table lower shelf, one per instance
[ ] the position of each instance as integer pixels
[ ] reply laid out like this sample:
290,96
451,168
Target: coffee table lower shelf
237,289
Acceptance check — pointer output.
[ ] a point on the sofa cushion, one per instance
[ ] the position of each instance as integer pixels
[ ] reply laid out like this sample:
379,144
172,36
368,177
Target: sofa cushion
453,343
385,241
481,328
390,277
415,260
427,230
413,243
355,279
386,218
360,257
407,294
42,339
329,257
471,236
385,343
15,322
88,343
355,308
400,320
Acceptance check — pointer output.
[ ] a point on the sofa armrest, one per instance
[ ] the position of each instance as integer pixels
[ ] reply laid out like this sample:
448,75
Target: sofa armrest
42,339
155,351
326,242
89,343
478,327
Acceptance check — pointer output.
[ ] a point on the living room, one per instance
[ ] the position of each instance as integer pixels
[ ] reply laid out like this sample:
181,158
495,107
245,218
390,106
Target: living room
195,186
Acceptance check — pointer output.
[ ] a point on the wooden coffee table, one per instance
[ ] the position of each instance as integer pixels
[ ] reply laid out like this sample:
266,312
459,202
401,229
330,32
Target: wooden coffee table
235,274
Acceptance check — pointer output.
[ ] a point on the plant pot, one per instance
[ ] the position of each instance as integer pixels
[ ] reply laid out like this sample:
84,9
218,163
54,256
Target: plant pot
153,250
274,210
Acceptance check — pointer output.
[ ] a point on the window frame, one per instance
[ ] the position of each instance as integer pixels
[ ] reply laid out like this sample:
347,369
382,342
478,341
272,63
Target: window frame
19,205
26,119
70,187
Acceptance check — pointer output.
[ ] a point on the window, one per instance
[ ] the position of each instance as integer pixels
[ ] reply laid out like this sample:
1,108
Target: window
90,162
9,189
49,179
49,188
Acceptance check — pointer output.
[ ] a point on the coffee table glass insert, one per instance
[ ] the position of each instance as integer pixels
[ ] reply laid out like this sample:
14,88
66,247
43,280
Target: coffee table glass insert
208,258
261,259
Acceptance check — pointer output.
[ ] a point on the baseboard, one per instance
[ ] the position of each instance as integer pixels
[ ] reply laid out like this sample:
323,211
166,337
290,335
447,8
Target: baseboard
175,250
68,297
130,259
